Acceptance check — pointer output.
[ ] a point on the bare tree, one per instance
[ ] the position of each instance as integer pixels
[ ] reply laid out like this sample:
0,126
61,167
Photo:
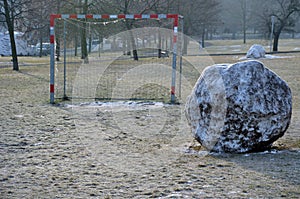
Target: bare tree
236,16
84,7
135,7
12,11
285,13
244,10
200,16
36,22
164,6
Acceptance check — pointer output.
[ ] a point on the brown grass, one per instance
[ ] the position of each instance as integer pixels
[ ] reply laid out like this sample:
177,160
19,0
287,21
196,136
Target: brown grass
237,46
52,152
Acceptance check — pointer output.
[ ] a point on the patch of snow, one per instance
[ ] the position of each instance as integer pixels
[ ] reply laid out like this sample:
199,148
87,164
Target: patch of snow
118,104
272,151
235,46
38,144
267,57
277,57
233,192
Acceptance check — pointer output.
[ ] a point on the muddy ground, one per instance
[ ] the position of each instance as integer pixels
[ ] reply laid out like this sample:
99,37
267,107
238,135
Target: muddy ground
125,151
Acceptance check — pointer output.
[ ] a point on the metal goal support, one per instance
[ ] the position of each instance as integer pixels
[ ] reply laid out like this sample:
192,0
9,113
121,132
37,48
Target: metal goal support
53,17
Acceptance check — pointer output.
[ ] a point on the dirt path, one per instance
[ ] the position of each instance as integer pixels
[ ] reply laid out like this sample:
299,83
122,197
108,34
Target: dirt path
137,151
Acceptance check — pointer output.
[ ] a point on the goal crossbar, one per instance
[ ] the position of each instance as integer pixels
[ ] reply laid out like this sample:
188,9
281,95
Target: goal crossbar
53,17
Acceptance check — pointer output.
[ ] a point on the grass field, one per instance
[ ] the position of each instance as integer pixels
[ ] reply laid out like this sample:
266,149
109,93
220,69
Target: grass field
237,46
130,150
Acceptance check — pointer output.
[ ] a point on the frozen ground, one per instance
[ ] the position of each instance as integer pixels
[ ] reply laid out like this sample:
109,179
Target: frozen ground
123,151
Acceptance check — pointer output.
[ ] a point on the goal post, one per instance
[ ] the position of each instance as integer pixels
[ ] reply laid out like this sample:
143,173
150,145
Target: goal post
175,22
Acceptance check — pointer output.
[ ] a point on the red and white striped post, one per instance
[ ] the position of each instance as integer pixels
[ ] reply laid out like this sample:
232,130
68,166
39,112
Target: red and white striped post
52,62
175,18
175,34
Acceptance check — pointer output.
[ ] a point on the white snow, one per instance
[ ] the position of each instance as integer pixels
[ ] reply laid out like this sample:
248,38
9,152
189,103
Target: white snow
118,104
235,46
277,57
267,56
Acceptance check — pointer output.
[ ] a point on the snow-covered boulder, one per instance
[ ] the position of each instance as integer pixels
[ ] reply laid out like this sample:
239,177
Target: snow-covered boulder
239,108
256,51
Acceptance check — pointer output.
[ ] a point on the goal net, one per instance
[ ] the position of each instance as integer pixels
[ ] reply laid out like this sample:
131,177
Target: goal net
116,57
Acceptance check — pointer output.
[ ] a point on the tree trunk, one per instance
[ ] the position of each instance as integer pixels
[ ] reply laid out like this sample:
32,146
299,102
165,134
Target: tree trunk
133,45
244,8
159,44
57,36
244,36
76,44
134,50
129,27
84,50
135,55
276,37
90,42
166,43
41,46
10,25
275,43
202,38
84,53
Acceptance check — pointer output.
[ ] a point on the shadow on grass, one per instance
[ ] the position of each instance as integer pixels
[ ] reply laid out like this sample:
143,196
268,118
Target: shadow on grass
34,76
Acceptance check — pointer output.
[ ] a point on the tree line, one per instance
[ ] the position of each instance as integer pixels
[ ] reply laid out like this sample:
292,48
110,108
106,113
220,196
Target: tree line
201,17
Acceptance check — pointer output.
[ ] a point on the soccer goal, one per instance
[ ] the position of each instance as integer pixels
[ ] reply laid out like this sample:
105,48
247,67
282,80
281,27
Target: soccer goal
115,57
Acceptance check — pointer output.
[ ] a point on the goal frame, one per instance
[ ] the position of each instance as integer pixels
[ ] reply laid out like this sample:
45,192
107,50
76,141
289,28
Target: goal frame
53,17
